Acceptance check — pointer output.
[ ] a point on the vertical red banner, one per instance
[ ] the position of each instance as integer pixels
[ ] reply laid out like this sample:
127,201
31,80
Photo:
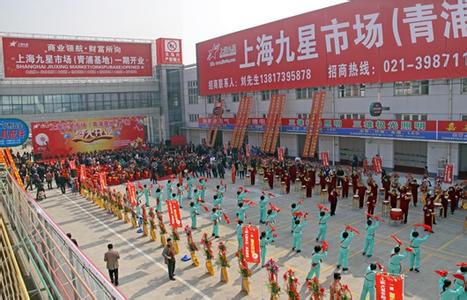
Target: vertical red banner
251,250
103,180
325,158
280,154
389,287
131,190
82,173
247,150
448,170
174,213
377,164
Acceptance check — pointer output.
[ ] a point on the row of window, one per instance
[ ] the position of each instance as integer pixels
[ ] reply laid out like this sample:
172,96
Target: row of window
401,88
193,117
39,104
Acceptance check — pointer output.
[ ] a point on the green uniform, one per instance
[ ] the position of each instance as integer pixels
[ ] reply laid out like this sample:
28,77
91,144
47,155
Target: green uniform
294,210
451,294
203,189
297,235
323,226
241,212
270,220
239,233
241,197
369,284
196,197
263,242
145,193
416,253
193,212
459,285
189,182
215,218
168,190
370,238
395,267
344,250
316,260
180,191
263,204
217,203
157,195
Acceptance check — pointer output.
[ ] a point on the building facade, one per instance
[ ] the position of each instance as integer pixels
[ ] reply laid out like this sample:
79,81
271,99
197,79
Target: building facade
426,100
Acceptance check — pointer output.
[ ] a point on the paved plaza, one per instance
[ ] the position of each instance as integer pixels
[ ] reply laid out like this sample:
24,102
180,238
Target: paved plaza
143,272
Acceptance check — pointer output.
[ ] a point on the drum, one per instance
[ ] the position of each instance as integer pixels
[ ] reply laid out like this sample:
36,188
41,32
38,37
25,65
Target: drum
298,184
355,201
323,195
396,214
385,208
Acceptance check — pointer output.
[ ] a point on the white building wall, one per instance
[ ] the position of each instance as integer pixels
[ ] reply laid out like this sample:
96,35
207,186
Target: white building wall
385,148
440,151
289,141
331,145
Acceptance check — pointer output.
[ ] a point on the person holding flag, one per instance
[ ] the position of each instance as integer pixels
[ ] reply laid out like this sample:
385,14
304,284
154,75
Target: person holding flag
459,282
415,243
263,203
144,192
194,211
346,238
323,223
215,218
395,266
158,195
270,221
242,208
263,243
372,224
168,189
217,201
448,293
202,188
443,276
241,194
319,254
180,190
369,283
239,232
297,234
189,184
295,209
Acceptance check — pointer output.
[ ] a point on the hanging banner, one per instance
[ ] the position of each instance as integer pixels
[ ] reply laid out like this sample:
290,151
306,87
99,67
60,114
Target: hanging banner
325,158
280,153
251,247
389,287
448,171
131,190
377,164
103,180
174,213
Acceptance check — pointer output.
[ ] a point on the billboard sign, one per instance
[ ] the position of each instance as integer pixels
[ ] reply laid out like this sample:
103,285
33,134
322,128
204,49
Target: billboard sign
13,132
61,138
30,57
169,51
351,43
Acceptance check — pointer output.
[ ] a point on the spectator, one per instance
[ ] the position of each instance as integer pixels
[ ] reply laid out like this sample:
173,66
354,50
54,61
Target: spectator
169,257
72,239
111,257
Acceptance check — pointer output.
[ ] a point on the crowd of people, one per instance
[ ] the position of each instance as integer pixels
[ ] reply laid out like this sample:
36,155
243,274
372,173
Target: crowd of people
188,168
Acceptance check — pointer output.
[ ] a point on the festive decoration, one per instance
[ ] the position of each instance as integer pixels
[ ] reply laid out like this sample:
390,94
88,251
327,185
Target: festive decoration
191,246
207,247
245,272
346,294
152,224
317,292
273,269
223,262
175,239
292,284
162,229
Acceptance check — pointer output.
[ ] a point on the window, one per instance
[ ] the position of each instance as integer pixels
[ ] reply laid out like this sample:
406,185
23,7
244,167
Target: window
235,97
411,117
211,99
464,117
305,93
356,90
352,116
464,85
193,92
193,117
266,95
411,88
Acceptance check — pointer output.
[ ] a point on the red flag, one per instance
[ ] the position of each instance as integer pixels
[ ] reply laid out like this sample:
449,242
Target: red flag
458,276
351,228
324,246
251,249
226,218
322,207
140,186
206,209
174,213
426,227
377,164
274,208
325,158
131,190
298,214
461,264
396,239
442,273
448,171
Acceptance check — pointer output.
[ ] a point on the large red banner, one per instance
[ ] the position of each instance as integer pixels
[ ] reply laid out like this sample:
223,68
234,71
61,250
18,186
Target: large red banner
325,158
169,51
251,249
174,214
29,57
448,171
389,287
351,43
60,138
377,162
131,191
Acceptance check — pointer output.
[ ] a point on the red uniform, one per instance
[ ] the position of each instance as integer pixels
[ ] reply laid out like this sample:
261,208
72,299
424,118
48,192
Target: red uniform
405,201
414,190
371,203
345,187
333,201
252,176
361,194
393,199
309,186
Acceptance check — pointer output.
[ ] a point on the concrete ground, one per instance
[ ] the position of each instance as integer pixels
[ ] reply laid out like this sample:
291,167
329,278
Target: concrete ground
143,272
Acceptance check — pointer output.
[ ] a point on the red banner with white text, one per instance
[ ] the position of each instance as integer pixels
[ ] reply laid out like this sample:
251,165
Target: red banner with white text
389,287
173,209
30,57
377,163
325,158
448,171
61,138
350,43
251,249
131,191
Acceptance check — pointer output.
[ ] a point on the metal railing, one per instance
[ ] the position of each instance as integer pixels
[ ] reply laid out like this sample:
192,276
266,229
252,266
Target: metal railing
65,272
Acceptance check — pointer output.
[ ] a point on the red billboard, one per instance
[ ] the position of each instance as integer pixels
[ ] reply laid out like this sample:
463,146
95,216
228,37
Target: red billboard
173,210
351,43
251,249
389,287
169,51
28,57
61,138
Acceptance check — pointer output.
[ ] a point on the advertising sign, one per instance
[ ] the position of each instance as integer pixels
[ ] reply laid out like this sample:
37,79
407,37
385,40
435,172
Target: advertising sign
13,132
61,138
30,57
350,43
251,249
448,171
169,51
389,287
174,213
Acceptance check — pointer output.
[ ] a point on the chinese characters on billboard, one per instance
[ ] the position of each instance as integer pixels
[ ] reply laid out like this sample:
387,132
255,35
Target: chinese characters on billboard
60,138
13,132
169,51
28,57
355,42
